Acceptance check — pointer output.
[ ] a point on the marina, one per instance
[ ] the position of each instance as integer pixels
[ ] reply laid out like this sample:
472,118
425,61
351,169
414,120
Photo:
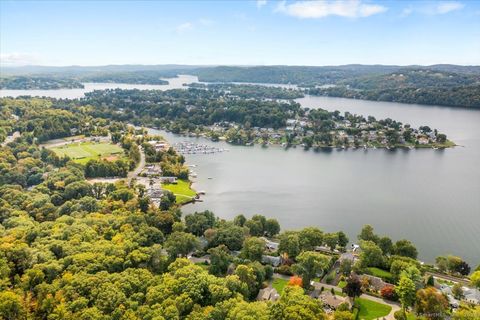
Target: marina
186,147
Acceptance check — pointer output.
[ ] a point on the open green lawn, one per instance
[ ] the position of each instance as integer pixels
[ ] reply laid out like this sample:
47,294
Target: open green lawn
83,152
181,190
279,284
380,273
370,310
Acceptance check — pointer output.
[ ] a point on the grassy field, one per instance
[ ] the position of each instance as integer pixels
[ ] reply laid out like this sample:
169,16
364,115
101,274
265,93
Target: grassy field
369,310
181,190
380,273
83,152
279,284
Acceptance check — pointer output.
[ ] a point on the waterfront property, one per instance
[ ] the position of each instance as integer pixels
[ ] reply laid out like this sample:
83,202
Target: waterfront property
181,189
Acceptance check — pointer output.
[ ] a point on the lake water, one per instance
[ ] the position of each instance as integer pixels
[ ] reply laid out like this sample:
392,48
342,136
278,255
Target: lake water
431,197
173,83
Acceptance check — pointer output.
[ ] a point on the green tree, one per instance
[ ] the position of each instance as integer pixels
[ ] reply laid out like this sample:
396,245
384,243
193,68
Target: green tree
11,306
406,292
385,243
405,248
331,240
289,244
180,244
294,304
441,263
457,291
475,278
198,222
255,227
309,238
367,234
253,248
247,275
230,235
342,239
371,255
346,267
272,227
219,260
239,220
309,264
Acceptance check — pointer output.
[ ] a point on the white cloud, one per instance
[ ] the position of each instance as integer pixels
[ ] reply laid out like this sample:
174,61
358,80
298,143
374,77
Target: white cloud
261,3
18,59
321,9
435,8
446,7
184,27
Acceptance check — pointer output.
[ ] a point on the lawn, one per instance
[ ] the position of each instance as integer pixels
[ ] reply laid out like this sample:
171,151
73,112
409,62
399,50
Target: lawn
181,190
380,273
370,310
83,152
279,284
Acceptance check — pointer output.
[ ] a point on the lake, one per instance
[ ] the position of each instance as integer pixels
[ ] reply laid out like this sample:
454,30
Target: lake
431,197
173,83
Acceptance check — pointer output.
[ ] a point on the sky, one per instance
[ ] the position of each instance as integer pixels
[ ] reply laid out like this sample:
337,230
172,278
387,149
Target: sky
60,33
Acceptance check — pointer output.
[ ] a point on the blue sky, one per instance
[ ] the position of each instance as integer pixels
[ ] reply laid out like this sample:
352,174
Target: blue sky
239,32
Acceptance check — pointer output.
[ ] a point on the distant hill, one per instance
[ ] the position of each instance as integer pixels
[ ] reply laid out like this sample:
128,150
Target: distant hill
442,84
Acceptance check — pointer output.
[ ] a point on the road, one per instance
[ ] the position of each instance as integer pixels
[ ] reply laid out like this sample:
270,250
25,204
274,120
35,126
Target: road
395,306
141,164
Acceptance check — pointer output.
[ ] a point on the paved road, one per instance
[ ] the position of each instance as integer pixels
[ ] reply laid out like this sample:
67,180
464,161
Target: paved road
139,168
395,306
464,281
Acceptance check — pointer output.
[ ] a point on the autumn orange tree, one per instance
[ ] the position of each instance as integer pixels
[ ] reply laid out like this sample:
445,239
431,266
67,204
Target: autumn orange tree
295,281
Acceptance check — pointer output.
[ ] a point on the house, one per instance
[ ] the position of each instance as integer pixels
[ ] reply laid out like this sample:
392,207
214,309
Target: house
155,192
268,294
168,179
376,283
447,291
271,260
471,295
152,170
270,245
422,140
333,301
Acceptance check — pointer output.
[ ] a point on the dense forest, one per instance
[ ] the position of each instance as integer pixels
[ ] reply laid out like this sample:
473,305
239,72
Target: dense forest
411,86
188,108
38,83
137,77
251,91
